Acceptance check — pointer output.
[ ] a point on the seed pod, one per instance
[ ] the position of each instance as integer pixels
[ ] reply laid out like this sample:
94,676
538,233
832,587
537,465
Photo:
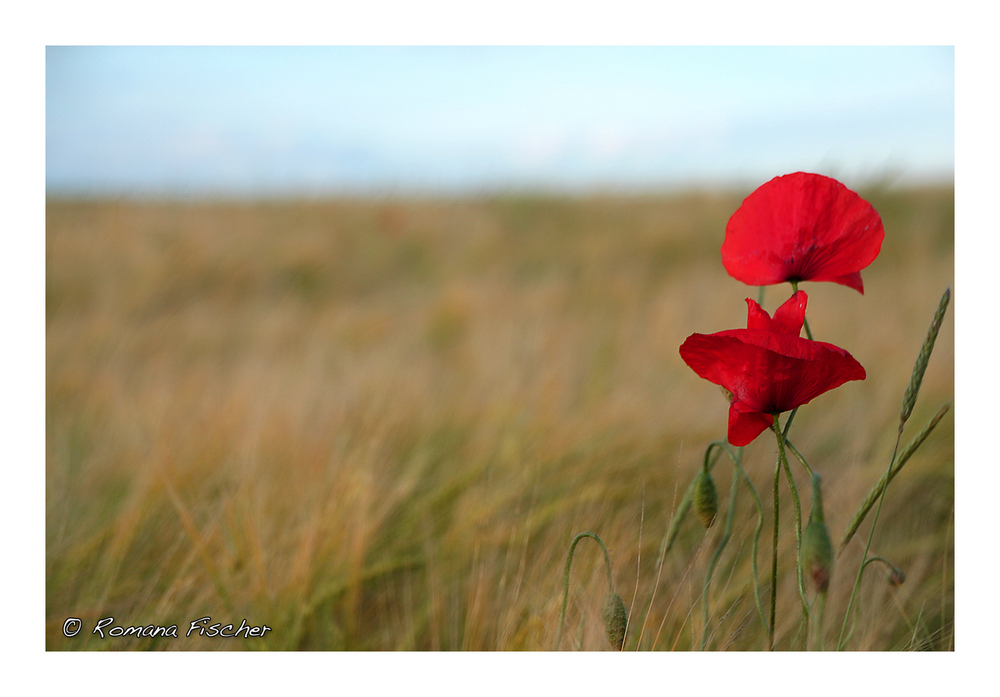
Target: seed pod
817,555
615,620
817,549
706,500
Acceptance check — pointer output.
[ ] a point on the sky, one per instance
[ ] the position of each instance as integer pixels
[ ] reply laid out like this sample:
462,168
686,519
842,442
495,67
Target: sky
317,120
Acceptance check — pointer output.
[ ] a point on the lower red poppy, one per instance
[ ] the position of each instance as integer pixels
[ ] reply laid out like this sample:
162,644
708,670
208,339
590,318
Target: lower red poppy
767,372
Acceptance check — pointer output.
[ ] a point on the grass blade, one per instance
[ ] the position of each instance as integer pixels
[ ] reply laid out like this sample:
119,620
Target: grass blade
879,487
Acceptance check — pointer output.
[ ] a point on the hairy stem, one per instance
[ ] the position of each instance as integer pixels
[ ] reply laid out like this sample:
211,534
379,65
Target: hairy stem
774,560
727,533
806,611
864,558
569,562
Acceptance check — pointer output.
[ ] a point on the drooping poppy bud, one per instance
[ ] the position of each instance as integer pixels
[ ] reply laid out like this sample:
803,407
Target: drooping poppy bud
817,548
706,499
897,577
615,620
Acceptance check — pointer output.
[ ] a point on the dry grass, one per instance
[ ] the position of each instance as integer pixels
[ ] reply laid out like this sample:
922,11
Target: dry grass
378,424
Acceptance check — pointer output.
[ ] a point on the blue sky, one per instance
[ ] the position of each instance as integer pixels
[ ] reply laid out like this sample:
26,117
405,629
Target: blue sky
191,120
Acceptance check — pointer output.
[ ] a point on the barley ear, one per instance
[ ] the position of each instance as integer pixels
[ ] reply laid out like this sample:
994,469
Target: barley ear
910,398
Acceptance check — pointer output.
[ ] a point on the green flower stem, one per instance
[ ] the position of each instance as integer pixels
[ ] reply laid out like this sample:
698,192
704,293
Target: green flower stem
788,423
709,462
569,561
797,454
895,571
712,453
675,523
820,612
892,567
774,560
871,534
806,610
682,508
737,458
727,533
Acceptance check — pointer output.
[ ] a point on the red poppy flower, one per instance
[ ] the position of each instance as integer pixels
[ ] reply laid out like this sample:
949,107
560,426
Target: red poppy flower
802,227
767,367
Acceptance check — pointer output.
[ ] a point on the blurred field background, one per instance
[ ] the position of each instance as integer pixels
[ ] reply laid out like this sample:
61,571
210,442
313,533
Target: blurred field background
377,424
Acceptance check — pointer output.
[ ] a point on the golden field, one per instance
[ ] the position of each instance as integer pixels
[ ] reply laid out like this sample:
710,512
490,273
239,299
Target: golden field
377,424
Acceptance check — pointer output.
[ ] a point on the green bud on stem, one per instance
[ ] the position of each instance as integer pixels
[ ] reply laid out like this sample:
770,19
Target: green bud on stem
615,620
706,499
817,548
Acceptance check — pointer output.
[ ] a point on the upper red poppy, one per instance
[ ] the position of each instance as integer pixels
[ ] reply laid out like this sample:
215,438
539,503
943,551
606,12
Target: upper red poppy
802,227
767,367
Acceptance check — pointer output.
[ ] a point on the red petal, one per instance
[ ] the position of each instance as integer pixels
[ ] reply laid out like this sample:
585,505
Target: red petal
791,371
767,372
802,227
717,358
788,318
745,424
851,280
757,317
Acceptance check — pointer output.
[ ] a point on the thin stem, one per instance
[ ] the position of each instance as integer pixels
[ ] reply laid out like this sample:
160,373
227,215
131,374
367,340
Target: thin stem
797,454
820,613
788,423
671,535
569,561
755,547
868,544
806,610
892,567
737,458
774,560
727,533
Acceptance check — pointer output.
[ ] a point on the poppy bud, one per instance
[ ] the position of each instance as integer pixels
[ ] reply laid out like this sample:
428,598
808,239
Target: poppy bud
615,620
817,555
897,577
706,500
817,549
